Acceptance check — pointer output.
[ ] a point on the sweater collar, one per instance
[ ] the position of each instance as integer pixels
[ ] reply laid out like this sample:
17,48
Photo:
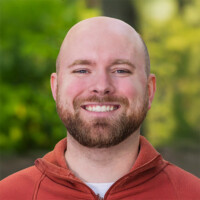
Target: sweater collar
148,163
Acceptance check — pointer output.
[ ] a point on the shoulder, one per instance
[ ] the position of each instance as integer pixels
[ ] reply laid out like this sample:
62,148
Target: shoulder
186,185
21,183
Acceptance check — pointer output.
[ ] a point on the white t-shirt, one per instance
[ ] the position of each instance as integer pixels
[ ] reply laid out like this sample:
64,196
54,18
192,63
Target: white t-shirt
99,188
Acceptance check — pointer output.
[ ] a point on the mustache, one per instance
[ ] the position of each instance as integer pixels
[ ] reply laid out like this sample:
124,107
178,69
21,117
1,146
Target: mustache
96,99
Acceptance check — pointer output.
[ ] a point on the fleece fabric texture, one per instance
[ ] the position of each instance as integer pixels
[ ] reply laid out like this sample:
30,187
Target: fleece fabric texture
151,178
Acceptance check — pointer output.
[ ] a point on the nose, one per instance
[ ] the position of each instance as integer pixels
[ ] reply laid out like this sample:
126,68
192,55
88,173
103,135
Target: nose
102,84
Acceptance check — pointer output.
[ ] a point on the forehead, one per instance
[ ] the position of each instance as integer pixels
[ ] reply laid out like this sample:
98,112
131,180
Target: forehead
101,40
102,43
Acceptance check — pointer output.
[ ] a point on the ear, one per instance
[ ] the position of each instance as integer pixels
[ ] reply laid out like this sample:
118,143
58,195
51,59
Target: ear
151,88
54,85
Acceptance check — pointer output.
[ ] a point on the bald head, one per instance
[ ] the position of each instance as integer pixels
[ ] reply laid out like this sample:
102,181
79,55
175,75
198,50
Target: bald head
96,29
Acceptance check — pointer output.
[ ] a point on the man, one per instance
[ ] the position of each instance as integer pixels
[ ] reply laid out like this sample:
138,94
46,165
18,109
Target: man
103,89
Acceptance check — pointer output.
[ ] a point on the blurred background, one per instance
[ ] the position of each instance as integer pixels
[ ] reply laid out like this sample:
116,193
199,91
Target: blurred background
31,32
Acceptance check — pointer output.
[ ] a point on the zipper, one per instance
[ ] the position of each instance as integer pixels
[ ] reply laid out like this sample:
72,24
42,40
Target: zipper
99,198
119,180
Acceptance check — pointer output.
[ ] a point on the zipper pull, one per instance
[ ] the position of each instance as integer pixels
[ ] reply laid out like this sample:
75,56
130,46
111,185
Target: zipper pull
98,197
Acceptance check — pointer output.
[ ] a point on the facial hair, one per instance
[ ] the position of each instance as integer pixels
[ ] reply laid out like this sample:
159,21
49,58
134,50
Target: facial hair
102,132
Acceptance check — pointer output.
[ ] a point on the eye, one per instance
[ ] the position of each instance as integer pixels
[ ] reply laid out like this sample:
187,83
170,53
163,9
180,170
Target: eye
122,71
81,71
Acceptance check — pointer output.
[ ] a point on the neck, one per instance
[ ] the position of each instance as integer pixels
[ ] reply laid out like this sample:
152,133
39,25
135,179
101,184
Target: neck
103,165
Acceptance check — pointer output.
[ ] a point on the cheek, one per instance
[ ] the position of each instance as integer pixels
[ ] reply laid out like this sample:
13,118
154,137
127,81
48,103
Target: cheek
73,89
70,88
129,89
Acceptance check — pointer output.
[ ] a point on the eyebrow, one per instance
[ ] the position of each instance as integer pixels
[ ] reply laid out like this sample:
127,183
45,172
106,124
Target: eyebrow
123,61
88,62
81,62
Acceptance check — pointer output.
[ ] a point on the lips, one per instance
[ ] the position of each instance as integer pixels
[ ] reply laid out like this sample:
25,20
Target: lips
100,108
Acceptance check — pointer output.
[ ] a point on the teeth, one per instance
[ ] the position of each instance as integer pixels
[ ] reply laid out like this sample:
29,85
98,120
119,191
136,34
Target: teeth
100,108
90,108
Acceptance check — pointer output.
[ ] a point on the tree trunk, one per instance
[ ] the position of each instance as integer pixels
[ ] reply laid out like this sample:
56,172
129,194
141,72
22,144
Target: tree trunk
121,9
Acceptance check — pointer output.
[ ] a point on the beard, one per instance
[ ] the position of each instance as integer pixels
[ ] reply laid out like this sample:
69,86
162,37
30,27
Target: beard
102,132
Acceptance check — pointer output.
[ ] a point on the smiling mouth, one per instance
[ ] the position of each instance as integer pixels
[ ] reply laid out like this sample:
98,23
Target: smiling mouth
100,108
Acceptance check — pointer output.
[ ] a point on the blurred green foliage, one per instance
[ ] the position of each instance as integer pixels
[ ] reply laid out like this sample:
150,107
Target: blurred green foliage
172,32
31,34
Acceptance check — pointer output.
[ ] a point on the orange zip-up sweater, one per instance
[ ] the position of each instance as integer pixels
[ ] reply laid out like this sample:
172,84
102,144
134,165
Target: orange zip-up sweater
151,178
